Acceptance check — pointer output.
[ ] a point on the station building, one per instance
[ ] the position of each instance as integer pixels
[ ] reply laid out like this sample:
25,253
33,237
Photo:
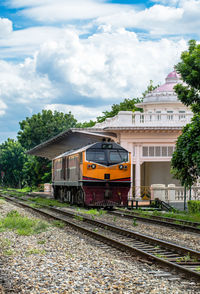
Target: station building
151,135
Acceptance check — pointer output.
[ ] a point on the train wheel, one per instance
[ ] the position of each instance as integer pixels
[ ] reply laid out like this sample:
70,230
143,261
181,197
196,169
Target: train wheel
80,197
56,192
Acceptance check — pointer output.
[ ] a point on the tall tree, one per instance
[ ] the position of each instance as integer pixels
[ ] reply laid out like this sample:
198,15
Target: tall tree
35,130
12,159
150,88
42,126
127,104
186,158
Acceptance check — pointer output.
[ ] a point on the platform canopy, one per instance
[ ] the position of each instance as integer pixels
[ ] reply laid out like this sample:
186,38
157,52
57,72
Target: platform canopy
71,139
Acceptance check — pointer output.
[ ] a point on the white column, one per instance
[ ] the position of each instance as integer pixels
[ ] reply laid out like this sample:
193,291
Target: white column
137,171
129,146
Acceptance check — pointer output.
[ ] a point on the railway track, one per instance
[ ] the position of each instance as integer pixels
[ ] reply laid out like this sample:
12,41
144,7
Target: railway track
159,220
175,257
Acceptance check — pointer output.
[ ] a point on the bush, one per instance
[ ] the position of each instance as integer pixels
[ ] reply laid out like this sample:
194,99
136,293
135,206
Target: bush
194,206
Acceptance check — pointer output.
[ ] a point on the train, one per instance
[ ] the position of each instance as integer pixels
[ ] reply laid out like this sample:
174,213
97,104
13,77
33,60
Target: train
97,175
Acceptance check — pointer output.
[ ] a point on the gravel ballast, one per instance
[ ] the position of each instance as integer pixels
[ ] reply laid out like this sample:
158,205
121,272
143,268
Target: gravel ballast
65,261
179,237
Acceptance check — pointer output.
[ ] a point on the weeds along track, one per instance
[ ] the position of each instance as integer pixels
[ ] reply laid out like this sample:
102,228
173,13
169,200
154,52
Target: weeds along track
181,259
159,220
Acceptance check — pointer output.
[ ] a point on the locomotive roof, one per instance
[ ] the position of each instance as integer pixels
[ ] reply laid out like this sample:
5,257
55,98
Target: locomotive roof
68,140
95,145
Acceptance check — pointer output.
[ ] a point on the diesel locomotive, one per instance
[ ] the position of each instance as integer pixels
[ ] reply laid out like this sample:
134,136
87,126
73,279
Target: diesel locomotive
97,175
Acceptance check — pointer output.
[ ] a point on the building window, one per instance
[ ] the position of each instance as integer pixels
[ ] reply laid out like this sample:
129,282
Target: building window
181,114
145,151
157,151
169,115
158,115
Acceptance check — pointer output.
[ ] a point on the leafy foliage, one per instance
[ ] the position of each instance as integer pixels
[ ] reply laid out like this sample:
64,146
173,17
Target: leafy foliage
42,126
35,130
36,170
194,206
22,225
127,104
150,88
186,158
12,159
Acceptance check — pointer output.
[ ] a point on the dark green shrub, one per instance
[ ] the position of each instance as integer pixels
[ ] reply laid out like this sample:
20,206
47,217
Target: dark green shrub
194,206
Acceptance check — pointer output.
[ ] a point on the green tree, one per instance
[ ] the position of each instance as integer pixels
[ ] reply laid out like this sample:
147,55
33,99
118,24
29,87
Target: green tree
43,126
35,130
150,88
36,170
186,158
127,104
12,159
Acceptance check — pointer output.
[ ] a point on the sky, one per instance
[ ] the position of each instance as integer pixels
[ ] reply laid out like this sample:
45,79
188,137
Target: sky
85,55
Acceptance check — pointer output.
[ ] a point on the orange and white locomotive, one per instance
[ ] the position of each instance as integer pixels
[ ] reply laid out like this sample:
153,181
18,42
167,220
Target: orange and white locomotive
98,175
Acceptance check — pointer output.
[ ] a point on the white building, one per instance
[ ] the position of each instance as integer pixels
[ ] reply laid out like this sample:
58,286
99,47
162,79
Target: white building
151,135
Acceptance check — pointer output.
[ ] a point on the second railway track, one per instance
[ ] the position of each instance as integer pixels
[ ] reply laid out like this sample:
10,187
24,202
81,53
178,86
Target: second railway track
159,220
167,254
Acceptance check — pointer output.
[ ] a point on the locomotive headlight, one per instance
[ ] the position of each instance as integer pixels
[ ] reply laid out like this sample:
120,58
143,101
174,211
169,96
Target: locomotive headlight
89,166
125,166
93,166
121,166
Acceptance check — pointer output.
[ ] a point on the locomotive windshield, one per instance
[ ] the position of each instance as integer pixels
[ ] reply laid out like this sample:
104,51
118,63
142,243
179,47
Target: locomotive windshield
117,156
106,156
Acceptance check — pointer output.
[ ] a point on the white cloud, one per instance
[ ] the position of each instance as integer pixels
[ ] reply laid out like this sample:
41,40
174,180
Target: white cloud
20,85
111,65
5,27
64,10
80,112
25,42
147,19
183,18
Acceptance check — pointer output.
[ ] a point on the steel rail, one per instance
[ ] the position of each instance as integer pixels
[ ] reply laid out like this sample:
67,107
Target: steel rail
170,222
140,244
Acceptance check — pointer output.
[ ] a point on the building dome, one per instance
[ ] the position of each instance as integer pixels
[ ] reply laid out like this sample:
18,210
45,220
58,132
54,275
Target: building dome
165,92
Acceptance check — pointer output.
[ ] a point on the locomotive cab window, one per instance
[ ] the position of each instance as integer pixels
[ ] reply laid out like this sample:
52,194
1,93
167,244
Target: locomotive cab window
117,156
96,156
106,155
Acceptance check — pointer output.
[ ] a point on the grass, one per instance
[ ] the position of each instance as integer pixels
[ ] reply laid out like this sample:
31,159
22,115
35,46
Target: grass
2,201
47,202
185,258
135,222
22,225
92,211
197,269
78,217
8,252
35,251
41,242
5,247
114,218
177,215
58,224
160,255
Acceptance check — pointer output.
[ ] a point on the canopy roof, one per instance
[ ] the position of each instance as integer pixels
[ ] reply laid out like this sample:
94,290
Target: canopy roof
68,140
